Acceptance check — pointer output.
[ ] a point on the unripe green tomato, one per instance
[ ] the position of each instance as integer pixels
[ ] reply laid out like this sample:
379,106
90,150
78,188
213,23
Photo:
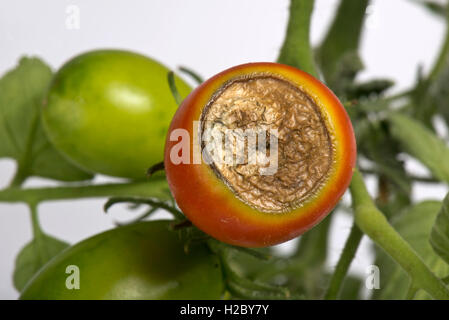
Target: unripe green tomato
140,261
109,111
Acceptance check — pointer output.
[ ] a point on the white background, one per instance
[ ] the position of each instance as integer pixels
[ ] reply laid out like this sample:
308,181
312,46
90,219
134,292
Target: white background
207,36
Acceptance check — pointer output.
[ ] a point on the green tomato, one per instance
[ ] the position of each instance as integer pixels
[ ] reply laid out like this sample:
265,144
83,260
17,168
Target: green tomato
109,111
140,261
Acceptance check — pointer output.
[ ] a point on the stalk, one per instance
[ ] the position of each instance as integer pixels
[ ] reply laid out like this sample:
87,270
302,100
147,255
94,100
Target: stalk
373,223
296,50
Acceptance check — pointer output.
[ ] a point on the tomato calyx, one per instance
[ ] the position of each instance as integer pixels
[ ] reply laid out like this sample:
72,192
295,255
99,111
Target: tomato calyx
236,284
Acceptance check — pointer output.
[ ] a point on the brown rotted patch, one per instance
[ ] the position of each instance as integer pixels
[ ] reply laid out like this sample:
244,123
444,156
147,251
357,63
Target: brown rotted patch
248,106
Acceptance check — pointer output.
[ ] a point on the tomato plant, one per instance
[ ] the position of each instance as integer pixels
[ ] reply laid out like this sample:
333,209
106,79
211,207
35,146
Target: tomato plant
108,111
140,261
237,204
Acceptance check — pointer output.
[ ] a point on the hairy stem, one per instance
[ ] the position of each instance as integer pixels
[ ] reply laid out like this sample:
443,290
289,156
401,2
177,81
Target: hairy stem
373,223
348,254
343,36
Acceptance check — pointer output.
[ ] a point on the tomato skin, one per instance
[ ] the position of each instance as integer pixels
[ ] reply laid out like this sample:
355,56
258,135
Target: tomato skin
141,261
213,207
108,111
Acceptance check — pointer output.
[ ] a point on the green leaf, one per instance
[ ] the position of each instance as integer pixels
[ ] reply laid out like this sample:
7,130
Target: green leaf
415,225
342,39
439,238
296,50
313,245
33,256
433,6
22,137
421,143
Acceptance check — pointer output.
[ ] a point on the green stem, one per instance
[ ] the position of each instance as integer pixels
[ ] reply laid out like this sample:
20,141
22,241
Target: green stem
139,218
348,254
221,246
155,187
296,50
411,176
373,223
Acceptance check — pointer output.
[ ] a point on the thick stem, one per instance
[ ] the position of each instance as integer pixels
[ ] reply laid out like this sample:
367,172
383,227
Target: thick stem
343,36
348,254
373,223
296,50
155,187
